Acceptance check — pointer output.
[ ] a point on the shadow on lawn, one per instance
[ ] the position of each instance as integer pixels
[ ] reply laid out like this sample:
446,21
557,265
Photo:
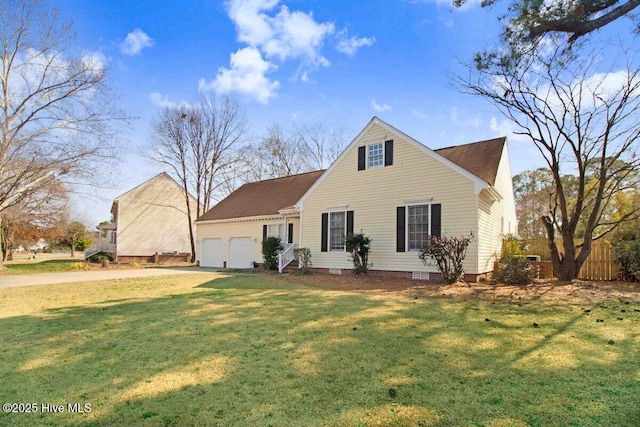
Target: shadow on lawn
264,352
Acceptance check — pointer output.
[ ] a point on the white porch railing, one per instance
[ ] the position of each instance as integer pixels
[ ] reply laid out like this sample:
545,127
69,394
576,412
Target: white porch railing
285,256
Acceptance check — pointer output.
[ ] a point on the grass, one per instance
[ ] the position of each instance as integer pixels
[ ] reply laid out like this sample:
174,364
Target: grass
40,267
265,351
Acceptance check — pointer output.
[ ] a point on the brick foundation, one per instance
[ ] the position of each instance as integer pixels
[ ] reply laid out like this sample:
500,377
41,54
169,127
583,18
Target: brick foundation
433,277
372,273
155,258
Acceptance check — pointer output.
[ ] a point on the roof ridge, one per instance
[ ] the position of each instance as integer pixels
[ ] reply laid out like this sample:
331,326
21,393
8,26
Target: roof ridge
284,177
472,143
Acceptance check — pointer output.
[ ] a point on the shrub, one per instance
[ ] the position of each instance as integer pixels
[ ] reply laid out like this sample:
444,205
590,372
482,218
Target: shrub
99,257
449,253
303,255
512,245
359,246
627,254
270,248
80,266
513,270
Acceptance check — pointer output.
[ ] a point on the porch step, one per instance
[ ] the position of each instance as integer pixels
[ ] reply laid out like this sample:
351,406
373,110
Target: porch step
291,268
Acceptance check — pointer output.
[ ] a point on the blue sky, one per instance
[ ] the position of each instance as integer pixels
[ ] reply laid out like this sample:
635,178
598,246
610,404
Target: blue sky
293,61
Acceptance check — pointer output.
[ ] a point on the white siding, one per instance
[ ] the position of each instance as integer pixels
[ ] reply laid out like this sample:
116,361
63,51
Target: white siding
504,186
374,194
252,228
153,218
498,218
489,233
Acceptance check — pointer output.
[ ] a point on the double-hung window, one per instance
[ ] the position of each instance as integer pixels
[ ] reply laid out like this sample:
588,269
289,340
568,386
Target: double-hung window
276,230
375,155
418,225
337,227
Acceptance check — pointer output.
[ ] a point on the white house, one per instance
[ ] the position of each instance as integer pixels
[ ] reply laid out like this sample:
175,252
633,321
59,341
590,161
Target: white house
386,185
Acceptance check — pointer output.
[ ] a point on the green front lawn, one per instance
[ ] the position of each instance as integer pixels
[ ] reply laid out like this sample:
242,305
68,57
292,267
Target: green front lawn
39,267
261,350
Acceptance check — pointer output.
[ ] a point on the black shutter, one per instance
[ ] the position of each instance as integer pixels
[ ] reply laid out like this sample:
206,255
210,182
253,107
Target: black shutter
436,219
362,158
388,153
290,234
325,232
349,222
400,229
264,232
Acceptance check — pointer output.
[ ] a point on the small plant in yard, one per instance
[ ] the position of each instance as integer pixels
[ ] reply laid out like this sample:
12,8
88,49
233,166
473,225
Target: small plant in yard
513,270
513,245
359,246
99,257
270,248
80,266
303,255
513,267
449,253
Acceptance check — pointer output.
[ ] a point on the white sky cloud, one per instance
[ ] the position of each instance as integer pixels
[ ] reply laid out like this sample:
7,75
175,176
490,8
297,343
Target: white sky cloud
419,114
274,34
161,100
135,42
379,107
280,35
350,45
246,75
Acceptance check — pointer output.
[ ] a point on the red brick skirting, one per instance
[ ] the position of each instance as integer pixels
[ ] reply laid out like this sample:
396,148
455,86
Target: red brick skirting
433,277
155,259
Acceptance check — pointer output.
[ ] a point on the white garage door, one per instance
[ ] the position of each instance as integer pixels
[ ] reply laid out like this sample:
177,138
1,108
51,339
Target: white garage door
211,253
240,252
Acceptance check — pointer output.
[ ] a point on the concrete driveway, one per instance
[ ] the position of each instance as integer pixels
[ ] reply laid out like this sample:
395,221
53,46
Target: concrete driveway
94,276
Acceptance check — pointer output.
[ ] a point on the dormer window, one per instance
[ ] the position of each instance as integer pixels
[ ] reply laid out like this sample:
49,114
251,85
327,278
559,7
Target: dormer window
375,155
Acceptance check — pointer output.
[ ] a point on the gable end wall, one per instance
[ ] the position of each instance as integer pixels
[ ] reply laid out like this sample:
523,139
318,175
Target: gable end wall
374,194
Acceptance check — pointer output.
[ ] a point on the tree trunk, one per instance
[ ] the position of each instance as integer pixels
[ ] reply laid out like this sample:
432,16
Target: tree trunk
2,244
72,252
566,266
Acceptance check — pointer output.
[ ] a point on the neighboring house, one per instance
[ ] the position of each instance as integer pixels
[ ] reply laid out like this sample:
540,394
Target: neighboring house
151,218
386,185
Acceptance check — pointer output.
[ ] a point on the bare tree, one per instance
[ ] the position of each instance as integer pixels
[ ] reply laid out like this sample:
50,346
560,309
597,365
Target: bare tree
322,143
37,216
289,151
75,234
532,190
197,143
56,110
282,153
585,121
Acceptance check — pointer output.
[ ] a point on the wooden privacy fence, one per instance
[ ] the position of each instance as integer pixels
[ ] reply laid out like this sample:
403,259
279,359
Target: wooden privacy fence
600,264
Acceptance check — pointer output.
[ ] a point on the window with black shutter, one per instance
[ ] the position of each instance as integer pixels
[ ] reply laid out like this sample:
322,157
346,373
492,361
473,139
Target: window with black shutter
415,224
335,227
375,155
